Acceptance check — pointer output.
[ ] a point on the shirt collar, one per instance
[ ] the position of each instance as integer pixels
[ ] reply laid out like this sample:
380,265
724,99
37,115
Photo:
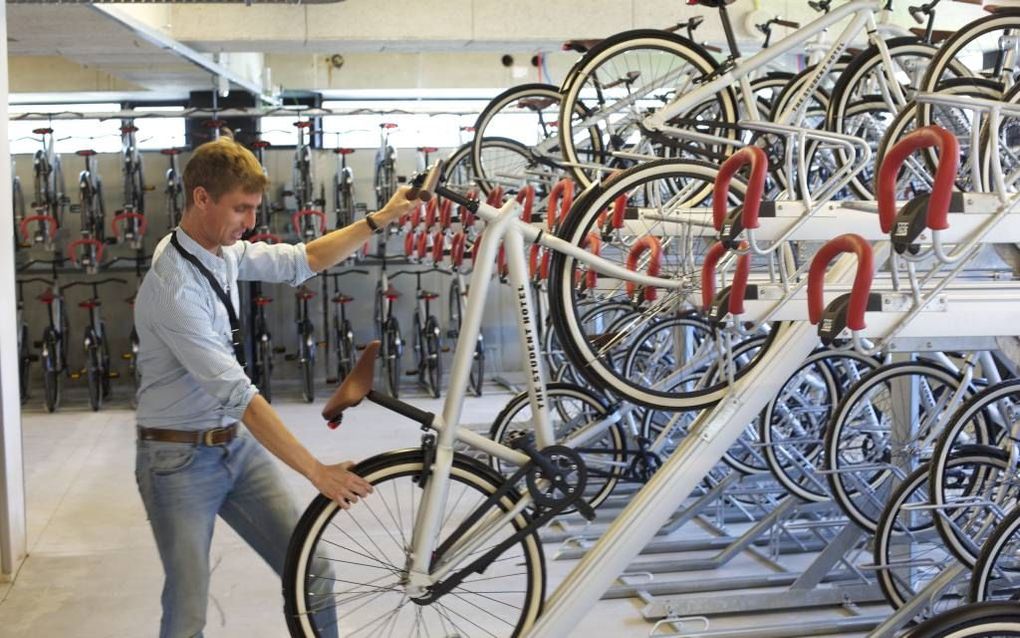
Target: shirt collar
209,260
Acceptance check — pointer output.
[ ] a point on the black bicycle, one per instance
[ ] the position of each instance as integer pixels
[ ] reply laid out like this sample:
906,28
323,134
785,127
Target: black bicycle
343,330
174,189
261,365
427,335
25,355
306,342
343,189
129,224
97,371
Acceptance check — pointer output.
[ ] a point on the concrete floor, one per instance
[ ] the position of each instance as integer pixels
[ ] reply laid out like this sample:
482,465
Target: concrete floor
93,570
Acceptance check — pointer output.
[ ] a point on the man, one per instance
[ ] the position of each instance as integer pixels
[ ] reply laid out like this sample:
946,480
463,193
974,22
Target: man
195,460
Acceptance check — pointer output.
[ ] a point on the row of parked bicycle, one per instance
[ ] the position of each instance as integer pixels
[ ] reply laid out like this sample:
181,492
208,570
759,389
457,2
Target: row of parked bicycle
681,287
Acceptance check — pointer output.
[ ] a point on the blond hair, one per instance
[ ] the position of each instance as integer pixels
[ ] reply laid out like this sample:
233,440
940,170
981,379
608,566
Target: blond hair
221,166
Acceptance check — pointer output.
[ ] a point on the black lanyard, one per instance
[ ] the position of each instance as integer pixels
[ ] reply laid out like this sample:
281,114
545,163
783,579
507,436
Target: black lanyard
235,325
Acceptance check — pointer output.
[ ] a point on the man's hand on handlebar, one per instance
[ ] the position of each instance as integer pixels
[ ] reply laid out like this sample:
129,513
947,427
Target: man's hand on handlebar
398,205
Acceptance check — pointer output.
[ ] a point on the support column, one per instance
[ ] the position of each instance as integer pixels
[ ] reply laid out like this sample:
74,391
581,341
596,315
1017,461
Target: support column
12,477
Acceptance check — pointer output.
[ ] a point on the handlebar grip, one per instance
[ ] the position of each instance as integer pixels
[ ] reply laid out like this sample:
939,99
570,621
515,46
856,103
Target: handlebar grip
758,161
651,244
945,175
849,243
422,187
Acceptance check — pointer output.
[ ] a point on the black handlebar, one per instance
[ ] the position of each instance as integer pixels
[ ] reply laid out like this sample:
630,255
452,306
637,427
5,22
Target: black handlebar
109,280
350,271
33,280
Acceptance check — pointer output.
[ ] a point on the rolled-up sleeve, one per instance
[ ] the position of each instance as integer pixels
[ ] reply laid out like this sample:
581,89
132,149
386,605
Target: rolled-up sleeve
185,327
275,263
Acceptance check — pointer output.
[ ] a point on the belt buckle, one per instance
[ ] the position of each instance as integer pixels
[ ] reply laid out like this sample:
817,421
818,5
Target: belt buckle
207,437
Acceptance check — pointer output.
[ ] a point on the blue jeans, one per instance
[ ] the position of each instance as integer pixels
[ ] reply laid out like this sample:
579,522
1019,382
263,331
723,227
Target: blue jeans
184,487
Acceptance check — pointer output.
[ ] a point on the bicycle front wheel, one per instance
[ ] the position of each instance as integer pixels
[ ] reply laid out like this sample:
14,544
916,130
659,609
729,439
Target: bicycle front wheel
982,620
669,200
345,569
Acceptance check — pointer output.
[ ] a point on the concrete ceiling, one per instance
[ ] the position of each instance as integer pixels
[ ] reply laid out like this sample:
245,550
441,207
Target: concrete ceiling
116,43
445,34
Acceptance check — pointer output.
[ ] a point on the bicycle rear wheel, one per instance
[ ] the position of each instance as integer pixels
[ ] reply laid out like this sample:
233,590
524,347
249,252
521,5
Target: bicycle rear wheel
617,82
476,376
368,547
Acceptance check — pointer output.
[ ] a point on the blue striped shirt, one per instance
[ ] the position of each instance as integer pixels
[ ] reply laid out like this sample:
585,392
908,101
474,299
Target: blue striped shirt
190,379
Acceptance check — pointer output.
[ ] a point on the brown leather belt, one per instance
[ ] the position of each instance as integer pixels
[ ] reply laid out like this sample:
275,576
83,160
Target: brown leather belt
215,436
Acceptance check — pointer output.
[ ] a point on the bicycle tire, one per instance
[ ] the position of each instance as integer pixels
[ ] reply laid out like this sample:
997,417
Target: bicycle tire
411,469
989,580
696,178
609,450
93,371
793,429
977,620
693,57
264,366
857,420
433,356
51,371
972,424
307,354
849,89
899,584
487,129
392,354
345,349
476,376
932,82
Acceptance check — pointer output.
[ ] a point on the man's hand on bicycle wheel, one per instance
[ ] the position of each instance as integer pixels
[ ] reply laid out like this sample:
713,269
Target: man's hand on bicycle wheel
340,484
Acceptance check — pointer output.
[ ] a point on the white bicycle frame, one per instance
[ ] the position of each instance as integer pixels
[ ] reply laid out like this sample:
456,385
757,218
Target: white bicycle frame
504,226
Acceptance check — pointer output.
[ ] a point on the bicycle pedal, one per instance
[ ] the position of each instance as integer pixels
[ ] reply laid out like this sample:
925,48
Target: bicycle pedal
321,344
112,375
332,380
446,349
127,356
356,347
290,357
75,375
411,373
